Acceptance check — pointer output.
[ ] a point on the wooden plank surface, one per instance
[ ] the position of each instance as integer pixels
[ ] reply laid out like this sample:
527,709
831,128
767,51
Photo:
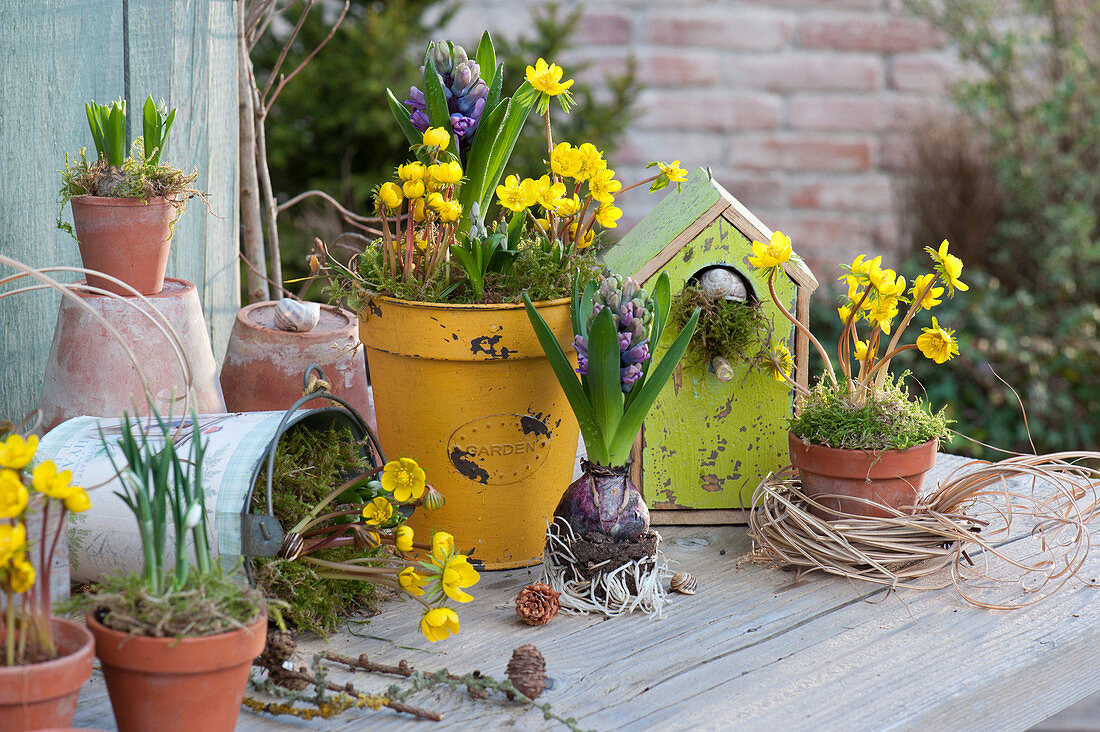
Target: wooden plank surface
752,650
59,54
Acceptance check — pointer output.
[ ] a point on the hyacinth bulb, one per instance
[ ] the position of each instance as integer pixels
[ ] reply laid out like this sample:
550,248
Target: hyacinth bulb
463,88
606,501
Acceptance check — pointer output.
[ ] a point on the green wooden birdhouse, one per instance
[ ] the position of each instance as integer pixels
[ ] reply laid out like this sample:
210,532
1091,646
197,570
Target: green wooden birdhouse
713,435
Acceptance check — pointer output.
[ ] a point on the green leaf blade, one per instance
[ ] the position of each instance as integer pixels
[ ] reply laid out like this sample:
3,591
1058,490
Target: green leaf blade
623,439
604,379
594,440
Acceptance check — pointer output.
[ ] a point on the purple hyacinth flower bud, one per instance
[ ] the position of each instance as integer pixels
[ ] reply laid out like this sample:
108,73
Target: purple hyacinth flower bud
440,56
468,101
581,344
636,355
626,318
461,125
476,112
582,364
420,120
624,342
416,99
630,376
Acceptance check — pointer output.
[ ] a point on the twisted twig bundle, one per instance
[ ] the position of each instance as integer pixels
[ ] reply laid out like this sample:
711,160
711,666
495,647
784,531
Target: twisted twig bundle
967,524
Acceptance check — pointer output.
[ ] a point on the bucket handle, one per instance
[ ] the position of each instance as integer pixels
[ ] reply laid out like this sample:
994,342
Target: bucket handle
262,534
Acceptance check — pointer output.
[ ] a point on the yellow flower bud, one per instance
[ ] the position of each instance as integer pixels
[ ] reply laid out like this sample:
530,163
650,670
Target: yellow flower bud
390,195
413,188
437,137
450,212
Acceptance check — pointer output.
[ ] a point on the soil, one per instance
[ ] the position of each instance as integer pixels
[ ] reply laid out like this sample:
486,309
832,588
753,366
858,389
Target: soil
597,554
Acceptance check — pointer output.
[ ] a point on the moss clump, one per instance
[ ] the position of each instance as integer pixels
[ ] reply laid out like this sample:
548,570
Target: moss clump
534,270
308,465
207,605
737,331
887,419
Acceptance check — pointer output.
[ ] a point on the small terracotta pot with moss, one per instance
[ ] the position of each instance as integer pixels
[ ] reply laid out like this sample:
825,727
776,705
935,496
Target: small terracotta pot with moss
872,483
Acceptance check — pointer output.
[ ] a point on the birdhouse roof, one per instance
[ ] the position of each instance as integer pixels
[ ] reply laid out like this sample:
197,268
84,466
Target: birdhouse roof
679,218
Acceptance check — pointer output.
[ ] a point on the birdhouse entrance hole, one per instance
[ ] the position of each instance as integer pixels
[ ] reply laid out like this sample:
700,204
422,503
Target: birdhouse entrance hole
724,281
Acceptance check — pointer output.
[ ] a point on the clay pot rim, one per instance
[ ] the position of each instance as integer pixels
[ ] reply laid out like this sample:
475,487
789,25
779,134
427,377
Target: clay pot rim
164,292
87,199
469,306
55,664
137,648
316,333
826,450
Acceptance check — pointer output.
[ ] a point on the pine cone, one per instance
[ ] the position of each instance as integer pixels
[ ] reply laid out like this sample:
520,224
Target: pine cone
537,604
280,648
527,671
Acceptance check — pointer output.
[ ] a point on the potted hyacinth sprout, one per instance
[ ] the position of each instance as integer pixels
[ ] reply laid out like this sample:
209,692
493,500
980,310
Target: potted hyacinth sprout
616,325
459,378
45,659
860,442
125,206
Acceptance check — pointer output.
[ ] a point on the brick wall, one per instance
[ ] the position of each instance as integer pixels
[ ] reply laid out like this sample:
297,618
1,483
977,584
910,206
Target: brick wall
801,108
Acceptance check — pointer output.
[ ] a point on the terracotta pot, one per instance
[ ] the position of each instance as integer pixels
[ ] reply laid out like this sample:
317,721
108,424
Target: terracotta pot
124,237
467,391
89,373
166,684
42,695
264,365
890,477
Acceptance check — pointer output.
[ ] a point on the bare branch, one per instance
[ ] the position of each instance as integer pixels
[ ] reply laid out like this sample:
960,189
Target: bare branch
284,51
268,101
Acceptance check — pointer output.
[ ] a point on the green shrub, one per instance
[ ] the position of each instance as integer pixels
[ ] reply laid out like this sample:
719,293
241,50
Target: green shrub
1031,314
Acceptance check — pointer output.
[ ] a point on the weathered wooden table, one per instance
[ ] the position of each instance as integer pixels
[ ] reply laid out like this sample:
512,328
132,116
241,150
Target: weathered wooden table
752,650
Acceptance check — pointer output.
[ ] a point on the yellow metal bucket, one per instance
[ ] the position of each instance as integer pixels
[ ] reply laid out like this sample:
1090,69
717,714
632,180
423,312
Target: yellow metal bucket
468,393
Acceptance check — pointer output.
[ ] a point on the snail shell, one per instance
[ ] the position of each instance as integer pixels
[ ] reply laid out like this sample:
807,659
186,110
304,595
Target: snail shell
683,582
720,283
294,316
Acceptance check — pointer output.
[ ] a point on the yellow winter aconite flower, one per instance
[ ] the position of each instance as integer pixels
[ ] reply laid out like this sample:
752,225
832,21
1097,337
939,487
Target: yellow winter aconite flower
47,480
448,173
13,540
515,195
403,539
450,212
602,186
861,351
774,253
458,574
443,546
549,194
565,160
16,452
589,236
546,78
591,161
882,313
938,343
412,171
673,171
13,494
845,312
888,283
567,207
949,266
413,188
404,478
439,623
931,298
412,582
21,574
78,501
434,201
418,210
437,137
607,215
390,195
780,362
378,511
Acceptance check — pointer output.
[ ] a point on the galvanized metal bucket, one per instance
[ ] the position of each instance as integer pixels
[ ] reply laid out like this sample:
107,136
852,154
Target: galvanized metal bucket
105,539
